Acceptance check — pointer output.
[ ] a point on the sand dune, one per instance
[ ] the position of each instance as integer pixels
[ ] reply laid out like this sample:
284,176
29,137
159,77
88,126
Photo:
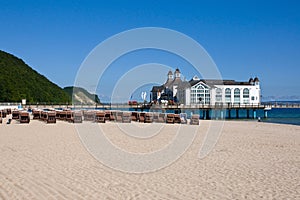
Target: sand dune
251,160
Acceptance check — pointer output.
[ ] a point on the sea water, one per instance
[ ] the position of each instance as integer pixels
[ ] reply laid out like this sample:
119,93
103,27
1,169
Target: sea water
284,116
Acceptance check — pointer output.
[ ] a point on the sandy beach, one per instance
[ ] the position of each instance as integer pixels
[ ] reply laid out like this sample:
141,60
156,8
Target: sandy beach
251,160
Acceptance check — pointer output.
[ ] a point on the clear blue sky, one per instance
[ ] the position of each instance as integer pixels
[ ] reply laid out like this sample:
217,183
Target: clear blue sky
244,38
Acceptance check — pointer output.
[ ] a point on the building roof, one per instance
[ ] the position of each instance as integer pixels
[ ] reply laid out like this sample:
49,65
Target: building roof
193,82
225,82
213,82
184,85
168,83
176,81
157,88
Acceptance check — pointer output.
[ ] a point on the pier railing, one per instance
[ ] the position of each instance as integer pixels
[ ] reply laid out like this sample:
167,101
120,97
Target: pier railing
115,106
282,105
140,106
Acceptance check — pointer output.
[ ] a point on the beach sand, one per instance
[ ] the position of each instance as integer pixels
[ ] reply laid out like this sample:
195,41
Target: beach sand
251,160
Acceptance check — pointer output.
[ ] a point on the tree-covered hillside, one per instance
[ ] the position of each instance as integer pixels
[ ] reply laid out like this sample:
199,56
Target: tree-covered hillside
19,81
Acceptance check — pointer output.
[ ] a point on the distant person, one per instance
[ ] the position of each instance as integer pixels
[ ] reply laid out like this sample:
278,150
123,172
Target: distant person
258,119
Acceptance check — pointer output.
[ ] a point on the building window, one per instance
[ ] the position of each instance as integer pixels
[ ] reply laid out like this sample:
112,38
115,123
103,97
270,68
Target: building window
200,94
237,95
246,96
218,95
227,95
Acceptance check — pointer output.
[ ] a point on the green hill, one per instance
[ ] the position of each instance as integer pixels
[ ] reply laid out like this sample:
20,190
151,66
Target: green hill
81,96
19,81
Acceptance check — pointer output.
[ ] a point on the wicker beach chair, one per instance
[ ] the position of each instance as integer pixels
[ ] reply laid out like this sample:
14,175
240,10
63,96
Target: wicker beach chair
194,119
85,115
8,111
100,117
155,117
113,116
148,117
126,117
44,115
63,115
15,114
24,117
134,116
170,119
4,113
36,114
51,117
142,117
177,119
89,115
69,115
107,115
161,117
119,117
77,117
57,114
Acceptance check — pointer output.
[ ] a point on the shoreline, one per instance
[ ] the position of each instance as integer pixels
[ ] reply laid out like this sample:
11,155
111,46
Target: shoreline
270,121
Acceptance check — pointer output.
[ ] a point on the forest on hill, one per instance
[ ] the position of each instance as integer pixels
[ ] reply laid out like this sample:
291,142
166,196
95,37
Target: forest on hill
19,81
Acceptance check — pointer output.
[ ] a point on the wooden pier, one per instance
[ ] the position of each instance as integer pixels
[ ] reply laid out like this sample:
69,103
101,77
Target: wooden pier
205,111
142,106
221,110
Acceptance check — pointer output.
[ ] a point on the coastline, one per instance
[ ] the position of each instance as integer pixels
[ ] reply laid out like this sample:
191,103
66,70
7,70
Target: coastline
283,121
251,160
287,121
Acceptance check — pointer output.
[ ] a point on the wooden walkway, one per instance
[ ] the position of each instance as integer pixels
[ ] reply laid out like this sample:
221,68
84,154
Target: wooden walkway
151,107
141,106
205,111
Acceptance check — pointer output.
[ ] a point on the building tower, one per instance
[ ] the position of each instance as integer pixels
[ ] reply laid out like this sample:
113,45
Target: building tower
177,74
170,75
169,80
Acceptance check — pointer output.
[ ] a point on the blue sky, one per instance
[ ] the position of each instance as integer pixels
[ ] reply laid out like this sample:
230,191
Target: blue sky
244,38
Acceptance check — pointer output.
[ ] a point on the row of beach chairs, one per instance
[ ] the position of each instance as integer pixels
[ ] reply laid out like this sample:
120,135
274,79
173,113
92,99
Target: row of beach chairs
143,117
103,116
48,116
51,116
20,115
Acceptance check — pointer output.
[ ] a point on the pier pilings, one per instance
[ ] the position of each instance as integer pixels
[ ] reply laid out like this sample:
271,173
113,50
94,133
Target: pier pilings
216,111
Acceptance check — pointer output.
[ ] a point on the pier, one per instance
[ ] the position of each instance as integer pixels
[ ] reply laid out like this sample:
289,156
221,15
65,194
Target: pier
221,110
